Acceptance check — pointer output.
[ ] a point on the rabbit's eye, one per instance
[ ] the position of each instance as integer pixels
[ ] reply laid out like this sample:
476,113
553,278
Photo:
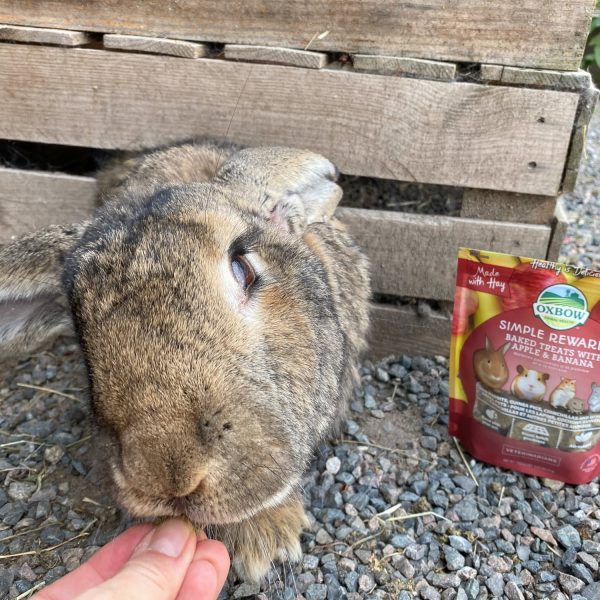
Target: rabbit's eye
242,271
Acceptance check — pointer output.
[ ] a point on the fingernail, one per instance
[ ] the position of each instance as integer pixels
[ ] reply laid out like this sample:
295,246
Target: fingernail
170,538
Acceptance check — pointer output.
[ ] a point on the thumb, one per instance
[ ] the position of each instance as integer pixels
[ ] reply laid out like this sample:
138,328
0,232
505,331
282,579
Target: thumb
156,569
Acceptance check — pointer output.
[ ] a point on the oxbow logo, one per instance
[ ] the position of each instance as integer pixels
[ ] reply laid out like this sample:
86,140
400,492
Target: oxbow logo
561,307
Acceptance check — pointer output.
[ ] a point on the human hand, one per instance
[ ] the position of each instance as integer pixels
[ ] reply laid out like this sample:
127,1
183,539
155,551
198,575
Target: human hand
154,563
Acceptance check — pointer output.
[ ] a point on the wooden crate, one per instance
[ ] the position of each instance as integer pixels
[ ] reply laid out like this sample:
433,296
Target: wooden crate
509,128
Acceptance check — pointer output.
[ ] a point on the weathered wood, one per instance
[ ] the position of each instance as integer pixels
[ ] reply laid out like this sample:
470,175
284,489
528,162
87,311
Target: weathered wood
507,206
535,33
559,232
459,134
39,35
280,56
559,80
31,200
396,65
415,255
400,329
152,45
587,103
411,255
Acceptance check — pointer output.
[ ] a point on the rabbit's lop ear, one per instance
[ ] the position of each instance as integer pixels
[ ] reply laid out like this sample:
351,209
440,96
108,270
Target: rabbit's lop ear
33,305
293,187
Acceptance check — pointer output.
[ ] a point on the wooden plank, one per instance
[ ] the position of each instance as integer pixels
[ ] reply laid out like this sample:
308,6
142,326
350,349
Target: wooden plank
396,65
535,33
558,80
401,329
31,200
279,56
38,35
587,103
462,134
559,232
415,255
411,255
507,206
152,45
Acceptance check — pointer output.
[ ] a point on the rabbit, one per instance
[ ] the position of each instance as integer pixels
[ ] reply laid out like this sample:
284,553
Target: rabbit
529,384
221,309
490,366
563,393
594,399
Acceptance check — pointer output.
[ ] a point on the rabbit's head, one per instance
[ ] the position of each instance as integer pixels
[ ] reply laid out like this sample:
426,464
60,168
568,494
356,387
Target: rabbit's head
214,320
490,366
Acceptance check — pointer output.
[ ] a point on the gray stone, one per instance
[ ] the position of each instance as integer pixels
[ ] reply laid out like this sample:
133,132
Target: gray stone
351,581
444,580
495,583
582,572
316,591
401,540
467,509
592,591
333,465
415,551
310,562
466,483
454,559
11,513
246,590
588,560
591,546
429,593
382,375
52,454
365,583
6,579
21,490
429,442
467,573
513,592
568,537
472,589
405,567
461,544
52,535
323,537
570,584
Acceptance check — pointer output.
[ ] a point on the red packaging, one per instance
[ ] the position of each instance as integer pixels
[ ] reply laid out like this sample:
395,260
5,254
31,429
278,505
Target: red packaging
525,365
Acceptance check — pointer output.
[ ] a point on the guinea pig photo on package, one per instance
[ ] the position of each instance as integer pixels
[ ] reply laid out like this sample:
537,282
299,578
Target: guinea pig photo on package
525,364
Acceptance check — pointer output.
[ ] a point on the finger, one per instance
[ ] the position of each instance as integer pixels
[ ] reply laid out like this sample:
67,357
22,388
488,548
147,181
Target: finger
100,567
156,569
207,573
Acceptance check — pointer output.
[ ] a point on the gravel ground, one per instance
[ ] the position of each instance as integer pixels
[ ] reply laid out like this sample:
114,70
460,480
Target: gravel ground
449,535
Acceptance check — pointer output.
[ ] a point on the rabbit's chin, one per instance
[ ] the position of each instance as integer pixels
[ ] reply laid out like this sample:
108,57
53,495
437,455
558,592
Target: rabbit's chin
144,506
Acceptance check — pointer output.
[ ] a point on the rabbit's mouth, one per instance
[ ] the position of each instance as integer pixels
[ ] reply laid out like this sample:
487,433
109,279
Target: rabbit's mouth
193,506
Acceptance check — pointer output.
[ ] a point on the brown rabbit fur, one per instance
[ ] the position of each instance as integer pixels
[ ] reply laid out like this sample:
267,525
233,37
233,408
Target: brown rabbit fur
208,398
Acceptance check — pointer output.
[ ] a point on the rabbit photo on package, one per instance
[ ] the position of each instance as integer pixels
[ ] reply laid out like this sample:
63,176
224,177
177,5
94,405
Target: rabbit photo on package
524,364
221,309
